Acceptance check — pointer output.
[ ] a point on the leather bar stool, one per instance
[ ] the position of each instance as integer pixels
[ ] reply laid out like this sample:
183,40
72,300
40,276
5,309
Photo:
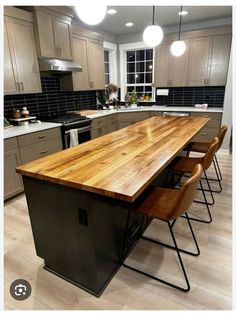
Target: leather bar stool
168,205
187,164
202,148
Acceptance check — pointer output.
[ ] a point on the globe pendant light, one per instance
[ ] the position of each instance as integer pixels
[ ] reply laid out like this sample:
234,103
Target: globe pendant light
153,34
178,47
91,12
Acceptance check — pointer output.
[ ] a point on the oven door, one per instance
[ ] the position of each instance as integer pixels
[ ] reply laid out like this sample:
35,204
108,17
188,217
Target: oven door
84,135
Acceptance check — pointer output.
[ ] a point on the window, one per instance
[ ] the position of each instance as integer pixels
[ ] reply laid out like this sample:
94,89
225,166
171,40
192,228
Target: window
139,67
106,66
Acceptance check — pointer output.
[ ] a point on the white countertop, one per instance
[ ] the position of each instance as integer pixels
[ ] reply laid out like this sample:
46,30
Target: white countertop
30,128
101,113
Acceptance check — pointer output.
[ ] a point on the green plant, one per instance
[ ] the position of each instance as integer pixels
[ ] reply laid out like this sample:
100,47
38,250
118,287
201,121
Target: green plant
133,97
101,97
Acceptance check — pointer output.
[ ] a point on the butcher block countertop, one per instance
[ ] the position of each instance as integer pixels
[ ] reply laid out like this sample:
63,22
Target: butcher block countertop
120,164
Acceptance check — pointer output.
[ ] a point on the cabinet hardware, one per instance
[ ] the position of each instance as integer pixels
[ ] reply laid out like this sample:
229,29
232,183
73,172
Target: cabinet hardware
205,116
22,86
204,81
203,133
18,86
43,152
59,51
41,136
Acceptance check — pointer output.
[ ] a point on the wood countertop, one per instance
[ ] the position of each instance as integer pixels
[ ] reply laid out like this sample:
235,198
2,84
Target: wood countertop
120,164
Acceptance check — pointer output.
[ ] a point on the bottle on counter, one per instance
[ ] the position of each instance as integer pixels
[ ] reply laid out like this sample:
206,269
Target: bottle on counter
15,113
25,112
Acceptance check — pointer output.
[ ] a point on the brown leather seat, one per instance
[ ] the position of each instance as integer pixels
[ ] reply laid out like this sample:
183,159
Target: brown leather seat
203,147
168,204
187,164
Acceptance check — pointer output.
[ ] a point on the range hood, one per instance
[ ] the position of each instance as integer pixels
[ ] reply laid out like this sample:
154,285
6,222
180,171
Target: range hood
58,66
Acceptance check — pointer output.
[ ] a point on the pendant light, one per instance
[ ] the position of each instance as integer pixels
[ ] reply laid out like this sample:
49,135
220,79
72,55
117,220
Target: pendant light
90,12
178,47
153,34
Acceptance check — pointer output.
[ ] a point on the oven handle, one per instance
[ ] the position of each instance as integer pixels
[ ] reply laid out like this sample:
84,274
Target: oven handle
81,130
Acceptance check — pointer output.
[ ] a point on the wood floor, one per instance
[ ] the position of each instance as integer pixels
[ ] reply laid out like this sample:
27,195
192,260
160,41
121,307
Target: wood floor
209,274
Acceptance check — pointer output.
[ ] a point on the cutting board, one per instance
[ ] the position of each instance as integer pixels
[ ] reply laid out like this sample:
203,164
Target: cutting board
87,112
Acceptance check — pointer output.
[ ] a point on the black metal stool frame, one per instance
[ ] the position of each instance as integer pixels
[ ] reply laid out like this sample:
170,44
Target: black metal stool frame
175,247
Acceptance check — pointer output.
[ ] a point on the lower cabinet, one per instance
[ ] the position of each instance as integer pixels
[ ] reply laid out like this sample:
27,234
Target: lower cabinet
208,132
128,118
39,144
12,181
99,127
23,149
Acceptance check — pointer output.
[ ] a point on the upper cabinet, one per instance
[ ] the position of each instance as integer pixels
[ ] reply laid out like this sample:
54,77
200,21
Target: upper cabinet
80,54
88,51
168,68
219,60
53,34
21,71
204,63
96,64
198,61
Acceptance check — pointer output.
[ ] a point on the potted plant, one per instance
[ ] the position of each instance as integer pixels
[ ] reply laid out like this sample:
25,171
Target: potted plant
133,99
101,97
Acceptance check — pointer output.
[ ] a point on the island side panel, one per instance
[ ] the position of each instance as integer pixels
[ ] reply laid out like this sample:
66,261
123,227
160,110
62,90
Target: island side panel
78,234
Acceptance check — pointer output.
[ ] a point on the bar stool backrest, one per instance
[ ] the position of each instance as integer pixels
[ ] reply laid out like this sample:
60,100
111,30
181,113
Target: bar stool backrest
207,159
221,135
187,193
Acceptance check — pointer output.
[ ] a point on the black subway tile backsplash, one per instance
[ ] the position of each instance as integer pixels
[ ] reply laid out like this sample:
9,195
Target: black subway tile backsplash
51,100
189,96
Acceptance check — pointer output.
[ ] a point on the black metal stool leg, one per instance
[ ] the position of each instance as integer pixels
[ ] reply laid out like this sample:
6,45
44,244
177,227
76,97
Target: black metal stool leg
218,180
210,190
161,280
207,206
172,247
218,167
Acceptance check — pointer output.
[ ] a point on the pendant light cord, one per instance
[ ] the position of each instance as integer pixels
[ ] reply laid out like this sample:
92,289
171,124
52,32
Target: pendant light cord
180,22
153,14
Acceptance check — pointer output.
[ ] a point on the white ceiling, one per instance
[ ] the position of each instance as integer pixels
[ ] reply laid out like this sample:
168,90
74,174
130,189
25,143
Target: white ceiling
166,16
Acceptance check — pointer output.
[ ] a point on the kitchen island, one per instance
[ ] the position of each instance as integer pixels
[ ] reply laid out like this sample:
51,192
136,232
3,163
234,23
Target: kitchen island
78,198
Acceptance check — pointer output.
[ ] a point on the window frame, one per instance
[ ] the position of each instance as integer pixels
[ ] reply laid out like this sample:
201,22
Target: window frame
124,48
112,56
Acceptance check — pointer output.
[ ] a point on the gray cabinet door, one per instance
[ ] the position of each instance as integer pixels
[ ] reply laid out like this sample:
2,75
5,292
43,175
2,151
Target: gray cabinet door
12,181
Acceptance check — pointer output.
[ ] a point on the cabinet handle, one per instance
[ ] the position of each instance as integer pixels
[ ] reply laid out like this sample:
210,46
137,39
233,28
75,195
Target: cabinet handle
57,51
203,133
22,86
208,81
43,152
60,52
170,82
205,116
18,86
41,136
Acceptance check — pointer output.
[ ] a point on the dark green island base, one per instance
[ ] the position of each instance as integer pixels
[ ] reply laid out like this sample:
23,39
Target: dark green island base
80,234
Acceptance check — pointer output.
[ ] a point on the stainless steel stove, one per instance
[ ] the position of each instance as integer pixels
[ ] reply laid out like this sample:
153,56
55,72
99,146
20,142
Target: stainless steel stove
69,122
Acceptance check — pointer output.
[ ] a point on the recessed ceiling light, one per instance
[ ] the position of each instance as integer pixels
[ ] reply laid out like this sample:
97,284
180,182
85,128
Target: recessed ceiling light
111,11
129,24
183,12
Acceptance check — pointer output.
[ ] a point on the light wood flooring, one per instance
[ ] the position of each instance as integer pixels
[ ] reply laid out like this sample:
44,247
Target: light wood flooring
209,274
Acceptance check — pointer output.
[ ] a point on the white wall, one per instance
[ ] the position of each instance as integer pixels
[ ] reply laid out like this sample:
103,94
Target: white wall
227,114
